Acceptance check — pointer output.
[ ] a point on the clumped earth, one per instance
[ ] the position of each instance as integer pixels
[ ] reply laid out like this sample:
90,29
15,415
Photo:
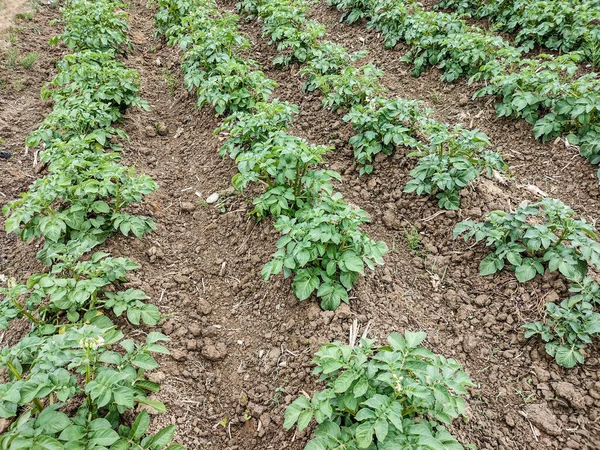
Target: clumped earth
242,348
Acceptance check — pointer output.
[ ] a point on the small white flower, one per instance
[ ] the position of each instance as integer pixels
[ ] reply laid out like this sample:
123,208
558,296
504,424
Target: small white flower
92,343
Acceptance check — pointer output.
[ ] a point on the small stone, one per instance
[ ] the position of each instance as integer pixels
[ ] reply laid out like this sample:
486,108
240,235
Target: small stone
179,355
543,418
380,157
212,198
195,329
156,377
473,212
552,297
204,307
343,311
509,420
188,206
214,352
570,393
150,131
481,300
256,409
470,343
390,220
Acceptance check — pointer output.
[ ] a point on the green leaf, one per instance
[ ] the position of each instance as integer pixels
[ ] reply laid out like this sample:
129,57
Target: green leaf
103,437
488,265
144,361
46,443
53,422
163,437
344,381
414,339
353,262
292,412
304,419
361,387
525,272
568,356
397,341
140,426
381,429
364,434
304,284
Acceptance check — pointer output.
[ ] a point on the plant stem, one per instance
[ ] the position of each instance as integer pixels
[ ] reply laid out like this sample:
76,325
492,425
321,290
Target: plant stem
26,313
15,372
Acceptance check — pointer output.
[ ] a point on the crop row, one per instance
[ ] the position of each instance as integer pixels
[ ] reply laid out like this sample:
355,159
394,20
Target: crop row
545,91
449,157
559,242
562,25
365,402
322,245
71,380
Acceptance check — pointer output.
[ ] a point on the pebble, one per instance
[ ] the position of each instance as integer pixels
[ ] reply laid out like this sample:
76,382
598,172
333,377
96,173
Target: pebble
204,307
481,300
150,131
188,206
570,393
214,352
212,198
179,355
543,418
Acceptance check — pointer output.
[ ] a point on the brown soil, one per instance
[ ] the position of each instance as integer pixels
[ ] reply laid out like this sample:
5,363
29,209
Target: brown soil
241,347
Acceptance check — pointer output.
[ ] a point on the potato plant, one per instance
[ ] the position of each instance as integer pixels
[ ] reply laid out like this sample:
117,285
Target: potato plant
549,93
231,85
451,159
297,193
74,287
559,25
101,28
246,127
383,124
73,381
327,58
570,326
400,395
535,237
286,165
552,95
546,236
351,86
49,370
325,250
288,27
